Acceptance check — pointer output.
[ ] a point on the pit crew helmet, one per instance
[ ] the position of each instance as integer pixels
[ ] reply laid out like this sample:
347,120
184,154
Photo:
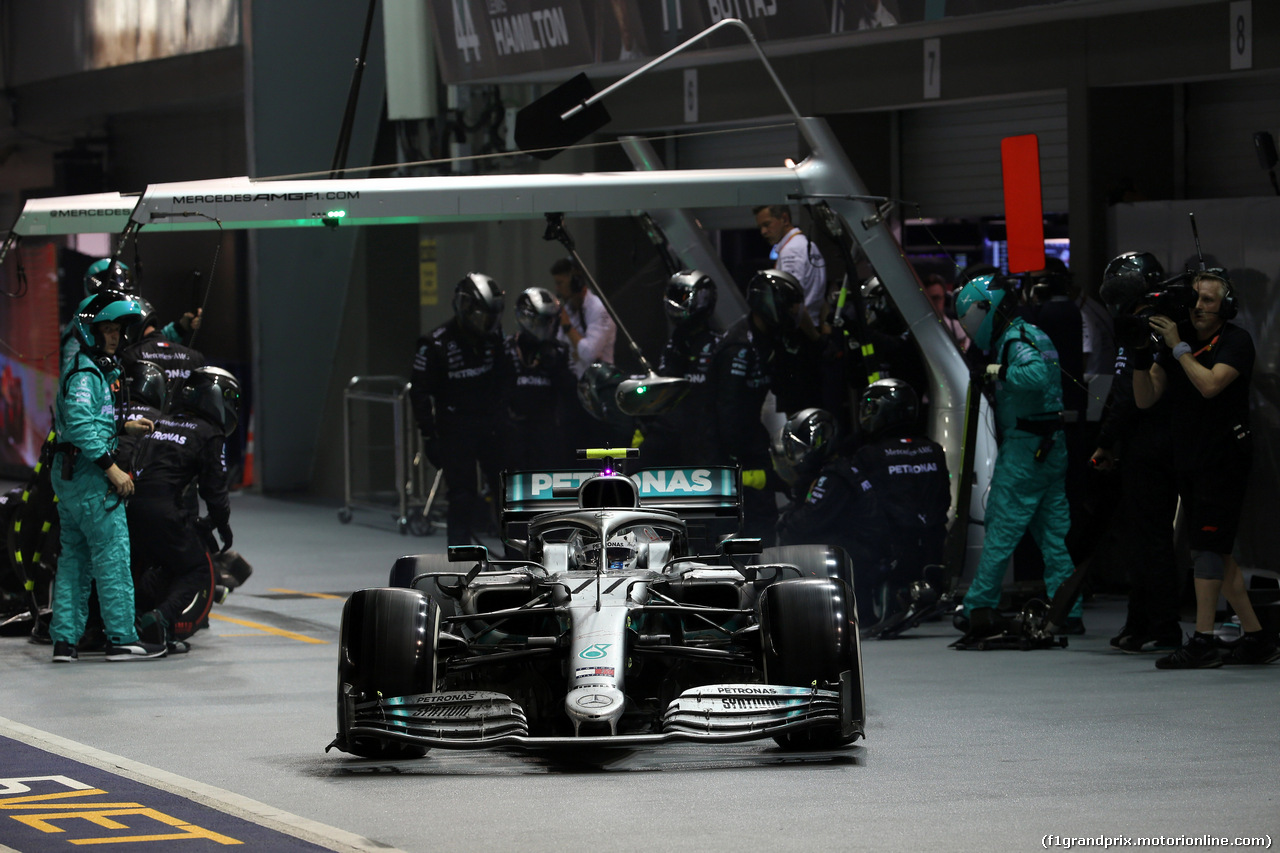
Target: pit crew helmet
538,313
213,394
147,383
107,306
106,274
887,407
878,309
597,389
807,441
775,296
148,319
984,307
690,298
1127,278
478,303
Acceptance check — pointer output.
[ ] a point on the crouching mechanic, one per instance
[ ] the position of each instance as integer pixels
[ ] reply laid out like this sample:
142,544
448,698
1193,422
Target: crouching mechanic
175,575
886,505
91,487
1028,486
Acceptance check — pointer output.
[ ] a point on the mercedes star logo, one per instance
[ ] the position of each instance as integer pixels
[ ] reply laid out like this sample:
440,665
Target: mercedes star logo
594,700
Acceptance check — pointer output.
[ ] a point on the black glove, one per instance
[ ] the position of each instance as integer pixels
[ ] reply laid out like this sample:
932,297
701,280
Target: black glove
206,528
431,449
224,533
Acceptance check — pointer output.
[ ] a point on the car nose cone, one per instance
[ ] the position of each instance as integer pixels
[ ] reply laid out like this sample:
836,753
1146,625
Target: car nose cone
594,704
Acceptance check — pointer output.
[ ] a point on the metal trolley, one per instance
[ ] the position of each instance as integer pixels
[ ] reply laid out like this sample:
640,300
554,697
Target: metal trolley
412,510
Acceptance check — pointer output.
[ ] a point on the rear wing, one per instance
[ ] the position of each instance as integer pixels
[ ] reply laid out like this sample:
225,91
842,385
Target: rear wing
707,498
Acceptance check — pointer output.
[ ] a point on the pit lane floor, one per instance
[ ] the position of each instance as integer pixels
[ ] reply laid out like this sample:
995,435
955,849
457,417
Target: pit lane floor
964,750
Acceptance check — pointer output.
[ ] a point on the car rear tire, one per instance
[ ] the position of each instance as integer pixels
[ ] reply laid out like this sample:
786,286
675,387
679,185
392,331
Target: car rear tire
387,647
809,635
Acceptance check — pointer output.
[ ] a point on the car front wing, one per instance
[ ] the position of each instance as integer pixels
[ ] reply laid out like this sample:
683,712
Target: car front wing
715,713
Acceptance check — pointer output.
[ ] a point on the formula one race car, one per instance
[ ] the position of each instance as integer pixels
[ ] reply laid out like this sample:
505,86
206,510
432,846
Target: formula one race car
610,630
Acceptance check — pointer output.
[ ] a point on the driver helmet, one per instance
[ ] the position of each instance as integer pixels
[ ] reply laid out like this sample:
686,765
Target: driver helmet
147,384
620,553
775,296
1128,278
478,303
597,389
213,394
690,298
807,441
978,305
107,306
538,313
888,407
106,274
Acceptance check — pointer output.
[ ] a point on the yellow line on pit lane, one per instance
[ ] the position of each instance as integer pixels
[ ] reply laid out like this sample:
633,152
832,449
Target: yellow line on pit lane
310,594
302,638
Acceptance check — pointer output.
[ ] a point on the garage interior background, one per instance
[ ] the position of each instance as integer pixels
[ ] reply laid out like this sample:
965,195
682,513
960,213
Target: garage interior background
1145,109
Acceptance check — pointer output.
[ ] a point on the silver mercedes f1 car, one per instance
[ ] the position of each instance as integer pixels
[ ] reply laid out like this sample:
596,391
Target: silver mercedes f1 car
627,621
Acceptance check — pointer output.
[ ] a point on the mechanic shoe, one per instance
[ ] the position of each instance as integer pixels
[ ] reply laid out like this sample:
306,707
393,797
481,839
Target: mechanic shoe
137,650
178,647
220,593
1198,653
1074,626
1253,648
1139,645
40,631
64,652
1127,636
93,643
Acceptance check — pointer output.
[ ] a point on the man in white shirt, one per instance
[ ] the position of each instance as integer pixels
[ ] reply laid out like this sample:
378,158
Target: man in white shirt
796,255
585,325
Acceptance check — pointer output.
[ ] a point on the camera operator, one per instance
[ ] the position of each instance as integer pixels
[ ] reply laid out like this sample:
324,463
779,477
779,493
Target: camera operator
1206,381
1138,443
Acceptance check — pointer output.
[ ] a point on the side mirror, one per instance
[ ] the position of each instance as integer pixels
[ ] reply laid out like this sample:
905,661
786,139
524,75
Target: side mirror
463,553
650,395
745,546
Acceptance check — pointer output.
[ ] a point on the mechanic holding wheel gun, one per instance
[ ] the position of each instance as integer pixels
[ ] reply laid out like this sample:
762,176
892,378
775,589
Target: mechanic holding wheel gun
91,488
1028,486
175,575
456,399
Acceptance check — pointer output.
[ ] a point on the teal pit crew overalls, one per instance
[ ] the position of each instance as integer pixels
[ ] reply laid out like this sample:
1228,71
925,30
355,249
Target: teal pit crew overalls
1028,486
95,534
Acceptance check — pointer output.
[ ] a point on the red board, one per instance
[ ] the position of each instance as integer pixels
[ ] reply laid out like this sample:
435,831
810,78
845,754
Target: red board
1023,206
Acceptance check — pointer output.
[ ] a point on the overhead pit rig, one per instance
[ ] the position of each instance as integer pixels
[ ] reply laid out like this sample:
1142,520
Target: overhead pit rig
824,178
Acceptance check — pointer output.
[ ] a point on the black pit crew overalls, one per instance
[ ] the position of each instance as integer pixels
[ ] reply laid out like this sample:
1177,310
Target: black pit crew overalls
886,505
537,387
173,572
176,360
457,372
